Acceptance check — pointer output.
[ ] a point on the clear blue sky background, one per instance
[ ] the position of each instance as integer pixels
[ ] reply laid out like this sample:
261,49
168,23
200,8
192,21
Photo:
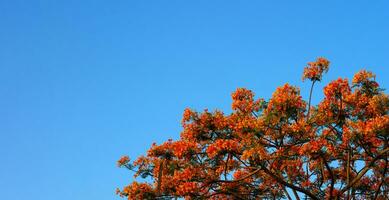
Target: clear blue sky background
84,82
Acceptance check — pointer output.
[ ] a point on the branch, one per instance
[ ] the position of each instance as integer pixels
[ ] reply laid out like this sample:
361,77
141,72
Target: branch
293,190
240,179
331,174
382,182
281,181
226,167
364,170
310,97
160,177
287,193
348,170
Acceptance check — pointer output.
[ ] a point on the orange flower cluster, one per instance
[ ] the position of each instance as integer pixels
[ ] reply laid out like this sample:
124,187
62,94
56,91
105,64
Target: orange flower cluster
123,161
243,101
185,175
243,124
221,145
363,76
306,183
365,83
240,174
377,105
374,125
254,153
199,124
187,188
314,71
137,191
336,89
183,148
188,115
191,131
286,99
219,120
312,147
163,150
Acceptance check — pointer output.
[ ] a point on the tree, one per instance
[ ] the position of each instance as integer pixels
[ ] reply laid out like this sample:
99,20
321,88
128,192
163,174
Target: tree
282,148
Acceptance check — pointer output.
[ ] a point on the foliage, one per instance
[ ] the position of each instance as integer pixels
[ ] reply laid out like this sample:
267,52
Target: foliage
282,148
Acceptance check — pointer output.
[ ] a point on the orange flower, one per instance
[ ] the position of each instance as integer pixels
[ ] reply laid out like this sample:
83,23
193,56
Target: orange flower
222,145
123,161
314,71
187,188
306,183
188,115
365,82
163,150
336,89
362,77
182,148
285,99
243,101
137,191
378,105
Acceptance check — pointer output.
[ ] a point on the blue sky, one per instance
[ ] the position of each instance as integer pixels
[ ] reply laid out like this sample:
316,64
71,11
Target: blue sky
84,82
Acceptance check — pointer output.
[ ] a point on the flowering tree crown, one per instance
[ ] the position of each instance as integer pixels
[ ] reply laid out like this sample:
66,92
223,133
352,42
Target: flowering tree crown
282,148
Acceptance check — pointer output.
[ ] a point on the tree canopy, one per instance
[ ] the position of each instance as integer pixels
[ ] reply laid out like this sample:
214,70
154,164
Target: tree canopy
281,148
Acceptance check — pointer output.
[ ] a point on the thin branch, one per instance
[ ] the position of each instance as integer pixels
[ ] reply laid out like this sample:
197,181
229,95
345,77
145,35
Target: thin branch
310,98
240,179
331,175
383,180
281,181
348,171
293,190
286,192
226,167
364,170
160,176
